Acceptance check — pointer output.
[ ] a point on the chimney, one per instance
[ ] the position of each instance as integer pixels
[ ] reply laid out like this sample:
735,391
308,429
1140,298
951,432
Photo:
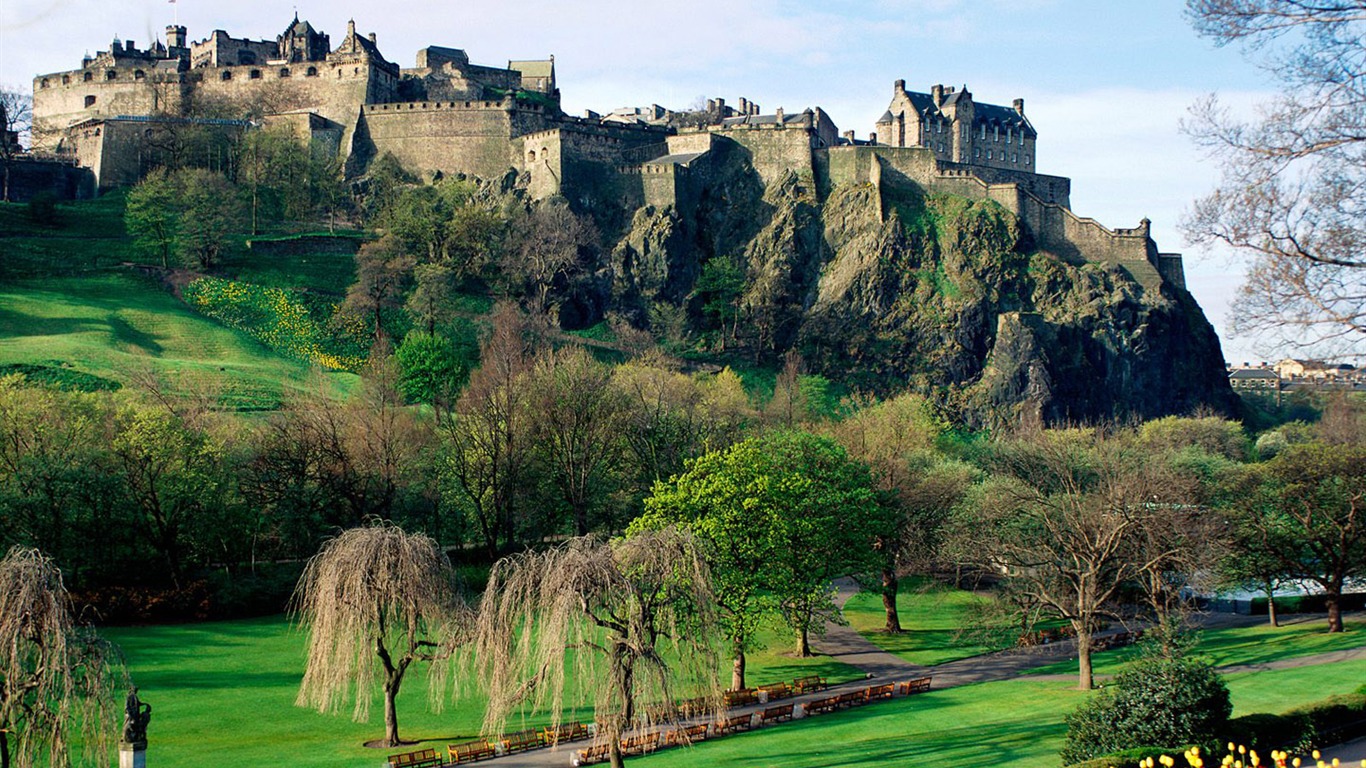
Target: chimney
128,46
372,39
849,136
779,113
351,28
938,93
1019,106
721,107
899,87
711,105
872,137
753,108
744,105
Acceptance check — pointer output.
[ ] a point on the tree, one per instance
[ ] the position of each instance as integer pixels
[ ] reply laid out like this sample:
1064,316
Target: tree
429,370
382,270
488,438
548,245
150,215
430,302
632,622
1064,517
896,439
779,515
57,679
578,419
1290,196
376,590
16,118
1309,515
209,210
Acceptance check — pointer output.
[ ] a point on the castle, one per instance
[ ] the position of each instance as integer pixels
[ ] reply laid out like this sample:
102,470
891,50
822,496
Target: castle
446,116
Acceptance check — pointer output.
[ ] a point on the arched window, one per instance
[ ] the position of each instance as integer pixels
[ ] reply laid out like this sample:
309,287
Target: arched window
66,79
984,130
988,154
284,73
88,76
312,72
147,133
545,153
225,74
89,102
44,84
111,74
531,156
139,75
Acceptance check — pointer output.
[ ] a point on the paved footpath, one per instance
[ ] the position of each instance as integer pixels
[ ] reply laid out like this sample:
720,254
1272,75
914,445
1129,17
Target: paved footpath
843,644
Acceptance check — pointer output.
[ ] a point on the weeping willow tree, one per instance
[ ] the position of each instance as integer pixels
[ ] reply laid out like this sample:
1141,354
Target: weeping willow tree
374,600
57,679
631,622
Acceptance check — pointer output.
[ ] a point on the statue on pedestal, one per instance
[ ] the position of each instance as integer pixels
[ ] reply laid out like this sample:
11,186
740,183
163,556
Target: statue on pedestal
136,715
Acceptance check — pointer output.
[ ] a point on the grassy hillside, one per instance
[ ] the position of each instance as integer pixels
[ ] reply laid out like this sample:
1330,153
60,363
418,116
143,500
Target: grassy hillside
70,302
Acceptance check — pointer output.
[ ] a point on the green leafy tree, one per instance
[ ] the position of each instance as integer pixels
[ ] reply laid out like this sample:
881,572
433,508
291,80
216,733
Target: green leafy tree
780,515
383,268
209,211
151,216
429,369
1308,514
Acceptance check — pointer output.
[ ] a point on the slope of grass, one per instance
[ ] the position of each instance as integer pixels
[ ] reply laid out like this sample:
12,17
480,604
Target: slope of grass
934,616
228,688
115,325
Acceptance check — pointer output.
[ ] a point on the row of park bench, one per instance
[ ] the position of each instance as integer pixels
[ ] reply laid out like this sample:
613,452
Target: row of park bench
479,749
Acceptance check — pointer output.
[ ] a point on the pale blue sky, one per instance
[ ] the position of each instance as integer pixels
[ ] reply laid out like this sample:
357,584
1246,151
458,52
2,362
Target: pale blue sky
1106,83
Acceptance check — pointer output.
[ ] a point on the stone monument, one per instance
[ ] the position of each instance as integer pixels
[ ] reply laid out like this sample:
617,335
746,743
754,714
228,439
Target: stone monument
133,744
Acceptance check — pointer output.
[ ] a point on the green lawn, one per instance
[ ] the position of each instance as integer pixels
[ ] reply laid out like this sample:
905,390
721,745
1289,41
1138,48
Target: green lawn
228,688
114,324
1230,646
934,617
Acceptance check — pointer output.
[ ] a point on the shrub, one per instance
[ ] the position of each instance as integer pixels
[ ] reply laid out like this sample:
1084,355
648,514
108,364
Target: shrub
1157,701
1134,756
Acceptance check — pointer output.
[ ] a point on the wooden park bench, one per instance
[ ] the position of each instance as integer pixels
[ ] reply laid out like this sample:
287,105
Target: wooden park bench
423,758
522,741
639,745
740,698
470,751
821,706
735,724
915,686
846,700
776,691
594,754
808,684
693,707
775,714
572,731
879,692
686,735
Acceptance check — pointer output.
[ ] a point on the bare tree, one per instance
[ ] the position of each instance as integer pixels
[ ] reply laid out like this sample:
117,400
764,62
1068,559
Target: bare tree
548,245
376,590
633,623
579,418
1064,520
57,680
1292,190
16,119
488,437
382,270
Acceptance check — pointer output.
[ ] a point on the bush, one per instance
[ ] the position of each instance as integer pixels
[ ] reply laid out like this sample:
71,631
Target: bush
1134,756
1267,732
1157,701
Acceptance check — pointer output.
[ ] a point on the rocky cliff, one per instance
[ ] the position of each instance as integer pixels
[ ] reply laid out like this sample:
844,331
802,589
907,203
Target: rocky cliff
891,288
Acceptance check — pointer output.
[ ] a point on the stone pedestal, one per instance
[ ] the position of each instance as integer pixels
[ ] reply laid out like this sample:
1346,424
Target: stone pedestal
133,755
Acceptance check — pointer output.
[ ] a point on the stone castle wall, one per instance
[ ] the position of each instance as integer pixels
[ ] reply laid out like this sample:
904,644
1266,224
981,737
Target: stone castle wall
473,138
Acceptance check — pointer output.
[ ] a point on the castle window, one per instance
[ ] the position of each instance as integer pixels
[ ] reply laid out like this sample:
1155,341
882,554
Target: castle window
88,76
984,130
147,134
997,135
284,73
1014,158
44,85
66,79
531,156
1022,137
1008,137
139,75
89,102
225,75
988,154
977,152
312,72
256,74
1026,159
111,75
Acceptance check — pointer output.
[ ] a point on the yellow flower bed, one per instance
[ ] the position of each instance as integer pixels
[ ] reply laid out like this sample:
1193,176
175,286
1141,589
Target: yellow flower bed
1241,757
275,317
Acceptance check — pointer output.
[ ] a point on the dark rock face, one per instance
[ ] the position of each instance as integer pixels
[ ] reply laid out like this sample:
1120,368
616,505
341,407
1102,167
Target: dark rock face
888,290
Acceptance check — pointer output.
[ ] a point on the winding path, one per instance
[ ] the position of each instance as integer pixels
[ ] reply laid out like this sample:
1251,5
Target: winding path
844,644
